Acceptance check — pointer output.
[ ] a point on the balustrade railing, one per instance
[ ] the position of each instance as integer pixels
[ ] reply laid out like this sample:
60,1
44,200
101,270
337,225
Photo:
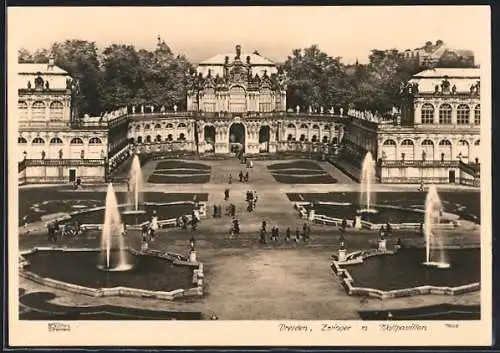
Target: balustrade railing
420,163
247,115
64,162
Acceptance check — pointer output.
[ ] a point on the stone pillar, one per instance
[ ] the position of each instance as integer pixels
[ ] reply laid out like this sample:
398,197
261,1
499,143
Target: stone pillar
342,255
382,245
358,223
418,114
454,114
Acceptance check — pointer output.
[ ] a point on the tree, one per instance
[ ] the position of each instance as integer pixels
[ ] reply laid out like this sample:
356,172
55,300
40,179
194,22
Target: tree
315,79
122,75
24,56
80,59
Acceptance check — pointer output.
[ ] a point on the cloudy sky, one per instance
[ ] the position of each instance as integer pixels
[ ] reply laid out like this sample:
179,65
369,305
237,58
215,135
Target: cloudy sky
200,32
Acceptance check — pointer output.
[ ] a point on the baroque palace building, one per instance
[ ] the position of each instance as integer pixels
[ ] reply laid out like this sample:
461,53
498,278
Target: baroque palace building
54,146
237,103
436,136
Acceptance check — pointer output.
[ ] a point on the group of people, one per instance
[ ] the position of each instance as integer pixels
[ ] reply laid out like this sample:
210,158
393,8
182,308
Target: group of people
243,176
77,184
70,230
184,221
251,199
299,235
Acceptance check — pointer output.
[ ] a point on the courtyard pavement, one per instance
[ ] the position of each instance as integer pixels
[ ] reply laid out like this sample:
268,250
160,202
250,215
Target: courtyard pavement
246,280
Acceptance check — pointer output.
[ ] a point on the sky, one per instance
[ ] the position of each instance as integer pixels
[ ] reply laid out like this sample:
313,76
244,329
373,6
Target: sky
201,32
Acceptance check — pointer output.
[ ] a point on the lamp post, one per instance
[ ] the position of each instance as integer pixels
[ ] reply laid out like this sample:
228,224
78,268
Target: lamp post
195,83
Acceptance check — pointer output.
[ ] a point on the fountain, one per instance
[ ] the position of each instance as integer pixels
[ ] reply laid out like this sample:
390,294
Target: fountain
135,181
367,195
134,194
112,241
433,209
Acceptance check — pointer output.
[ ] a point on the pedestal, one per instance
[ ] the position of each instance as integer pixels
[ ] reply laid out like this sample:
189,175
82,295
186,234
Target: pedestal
358,224
192,256
311,215
342,255
382,245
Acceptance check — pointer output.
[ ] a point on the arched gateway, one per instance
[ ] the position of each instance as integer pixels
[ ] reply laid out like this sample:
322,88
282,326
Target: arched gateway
237,136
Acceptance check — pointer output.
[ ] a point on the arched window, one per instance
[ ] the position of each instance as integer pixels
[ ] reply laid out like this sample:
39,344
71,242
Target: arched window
38,141
444,150
291,126
21,140
445,114
139,139
181,137
325,139
170,137
427,150
389,150
158,138
463,113
477,142
95,141
407,142
302,137
76,141
157,127
445,142
315,127
148,139
23,110
56,110
147,127
314,138
477,115
170,126
38,111
56,141
427,114
326,128
181,126
138,128
304,126
289,137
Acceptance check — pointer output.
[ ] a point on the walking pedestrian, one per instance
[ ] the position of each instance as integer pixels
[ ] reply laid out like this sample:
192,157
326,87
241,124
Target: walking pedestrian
240,175
288,234
297,235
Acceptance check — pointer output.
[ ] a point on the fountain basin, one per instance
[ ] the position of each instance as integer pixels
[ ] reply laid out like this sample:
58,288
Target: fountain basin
375,217
156,275
398,274
164,211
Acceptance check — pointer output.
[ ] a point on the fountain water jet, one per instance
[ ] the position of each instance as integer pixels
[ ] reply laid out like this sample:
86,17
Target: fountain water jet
433,208
112,239
135,181
367,195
